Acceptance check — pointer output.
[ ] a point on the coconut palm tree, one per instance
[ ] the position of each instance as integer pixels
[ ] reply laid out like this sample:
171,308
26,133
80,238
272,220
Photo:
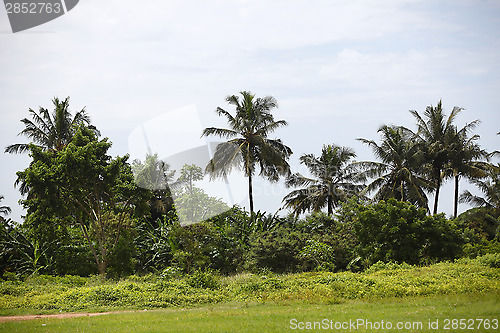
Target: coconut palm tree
248,144
155,175
334,180
397,175
51,131
490,186
464,158
434,133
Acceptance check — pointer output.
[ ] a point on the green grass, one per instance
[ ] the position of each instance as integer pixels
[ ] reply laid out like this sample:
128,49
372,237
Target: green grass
279,317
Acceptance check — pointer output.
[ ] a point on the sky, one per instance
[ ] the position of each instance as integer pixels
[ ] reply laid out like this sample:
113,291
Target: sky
152,73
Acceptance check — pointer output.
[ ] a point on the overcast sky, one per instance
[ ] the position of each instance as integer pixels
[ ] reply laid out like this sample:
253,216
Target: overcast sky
339,70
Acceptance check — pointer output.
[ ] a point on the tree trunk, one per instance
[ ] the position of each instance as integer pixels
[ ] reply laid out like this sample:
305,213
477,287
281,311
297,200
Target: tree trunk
330,205
436,198
101,266
455,206
250,194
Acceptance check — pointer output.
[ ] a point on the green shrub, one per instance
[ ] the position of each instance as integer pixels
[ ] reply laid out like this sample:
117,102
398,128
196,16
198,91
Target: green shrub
398,231
335,232
277,250
321,254
491,260
203,279
387,266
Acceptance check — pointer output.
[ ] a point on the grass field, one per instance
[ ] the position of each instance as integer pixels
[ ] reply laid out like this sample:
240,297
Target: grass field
465,294
416,314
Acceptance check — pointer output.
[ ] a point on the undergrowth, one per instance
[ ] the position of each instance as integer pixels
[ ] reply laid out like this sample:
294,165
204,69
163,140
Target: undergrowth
46,294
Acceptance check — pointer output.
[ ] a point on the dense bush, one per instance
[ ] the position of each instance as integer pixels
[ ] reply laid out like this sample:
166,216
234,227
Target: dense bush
153,244
55,294
481,222
277,250
481,232
336,233
398,231
358,236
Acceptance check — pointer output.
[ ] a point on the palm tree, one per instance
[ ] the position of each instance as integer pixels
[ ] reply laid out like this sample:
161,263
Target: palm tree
334,177
434,134
490,186
464,156
397,175
248,144
51,131
4,210
155,175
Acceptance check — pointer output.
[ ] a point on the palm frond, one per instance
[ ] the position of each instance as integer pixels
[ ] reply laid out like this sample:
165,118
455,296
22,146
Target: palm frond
454,113
227,156
220,132
271,127
298,180
17,148
51,131
474,200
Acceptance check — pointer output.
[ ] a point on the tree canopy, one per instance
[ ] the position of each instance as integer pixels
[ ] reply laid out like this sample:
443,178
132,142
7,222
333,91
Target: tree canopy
51,131
335,179
249,144
87,188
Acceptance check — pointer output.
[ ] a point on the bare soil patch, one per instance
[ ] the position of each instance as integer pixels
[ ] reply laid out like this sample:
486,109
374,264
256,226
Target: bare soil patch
56,315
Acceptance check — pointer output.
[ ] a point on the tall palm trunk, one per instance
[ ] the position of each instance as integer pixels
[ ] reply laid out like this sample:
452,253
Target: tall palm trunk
436,198
250,194
330,205
455,206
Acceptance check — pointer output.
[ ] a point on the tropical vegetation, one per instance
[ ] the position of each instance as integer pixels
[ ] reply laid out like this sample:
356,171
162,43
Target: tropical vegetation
354,229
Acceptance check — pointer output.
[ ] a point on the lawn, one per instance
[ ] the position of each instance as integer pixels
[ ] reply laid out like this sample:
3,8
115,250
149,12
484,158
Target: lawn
416,313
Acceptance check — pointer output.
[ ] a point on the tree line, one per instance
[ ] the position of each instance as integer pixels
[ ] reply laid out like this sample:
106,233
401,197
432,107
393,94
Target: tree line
78,197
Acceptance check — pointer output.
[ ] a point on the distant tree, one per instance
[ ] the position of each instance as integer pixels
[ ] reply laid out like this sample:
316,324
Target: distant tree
248,144
197,206
397,175
51,131
189,175
334,181
191,202
434,133
464,160
490,186
155,175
